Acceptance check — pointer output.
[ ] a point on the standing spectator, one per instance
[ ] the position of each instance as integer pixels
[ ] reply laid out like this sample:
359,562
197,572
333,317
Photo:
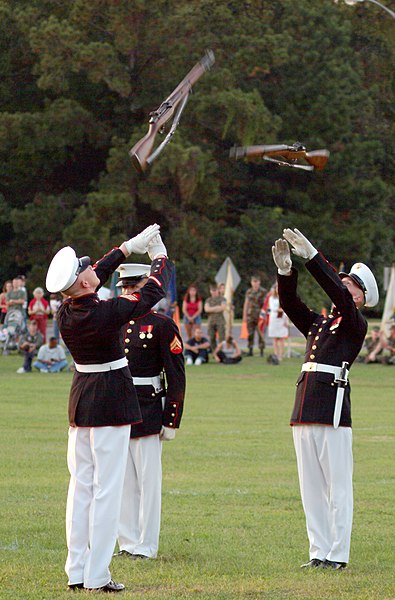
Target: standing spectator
16,297
197,349
7,287
51,357
24,290
227,352
321,418
215,307
103,402
254,299
278,323
192,308
38,309
55,302
153,347
29,344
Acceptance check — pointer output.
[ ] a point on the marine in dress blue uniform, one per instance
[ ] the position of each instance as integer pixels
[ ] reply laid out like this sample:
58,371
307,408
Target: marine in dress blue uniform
103,402
154,350
321,416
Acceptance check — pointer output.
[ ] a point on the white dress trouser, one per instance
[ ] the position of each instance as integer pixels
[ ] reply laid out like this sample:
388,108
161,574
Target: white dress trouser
139,525
96,458
325,466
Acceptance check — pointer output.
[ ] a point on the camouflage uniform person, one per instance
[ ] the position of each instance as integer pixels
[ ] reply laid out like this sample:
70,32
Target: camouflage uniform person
214,307
254,298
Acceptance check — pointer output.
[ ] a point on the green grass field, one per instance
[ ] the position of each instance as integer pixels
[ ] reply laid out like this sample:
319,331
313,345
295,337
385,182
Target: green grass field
232,520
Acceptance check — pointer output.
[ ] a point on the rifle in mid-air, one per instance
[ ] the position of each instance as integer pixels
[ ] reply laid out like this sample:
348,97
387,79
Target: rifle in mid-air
291,156
141,153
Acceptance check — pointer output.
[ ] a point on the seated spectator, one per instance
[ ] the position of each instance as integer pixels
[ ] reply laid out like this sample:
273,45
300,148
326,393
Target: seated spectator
51,357
370,343
38,309
228,352
29,344
385,344
197,349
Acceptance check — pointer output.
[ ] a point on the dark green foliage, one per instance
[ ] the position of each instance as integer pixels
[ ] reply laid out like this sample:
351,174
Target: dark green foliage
78,80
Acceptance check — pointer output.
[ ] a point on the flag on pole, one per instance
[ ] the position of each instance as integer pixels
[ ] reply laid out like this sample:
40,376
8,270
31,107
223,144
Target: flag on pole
389,305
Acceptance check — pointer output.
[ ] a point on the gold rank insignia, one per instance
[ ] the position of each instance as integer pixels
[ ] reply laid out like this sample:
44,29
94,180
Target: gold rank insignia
176,345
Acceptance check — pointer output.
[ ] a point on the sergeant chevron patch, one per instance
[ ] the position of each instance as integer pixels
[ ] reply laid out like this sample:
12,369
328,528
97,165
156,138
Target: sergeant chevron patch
176,345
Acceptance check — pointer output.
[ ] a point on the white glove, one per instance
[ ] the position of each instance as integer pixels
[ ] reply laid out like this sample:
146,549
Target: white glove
301,245
139,243
282,256
167,434
156,247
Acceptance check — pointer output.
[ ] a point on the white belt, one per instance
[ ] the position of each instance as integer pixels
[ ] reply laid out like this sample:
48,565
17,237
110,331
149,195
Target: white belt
102,367
312,367
154,381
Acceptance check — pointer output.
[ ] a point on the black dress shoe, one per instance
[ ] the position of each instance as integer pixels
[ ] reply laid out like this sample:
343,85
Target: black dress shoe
109,588
335,566
137,556
123,553
314,563
73,587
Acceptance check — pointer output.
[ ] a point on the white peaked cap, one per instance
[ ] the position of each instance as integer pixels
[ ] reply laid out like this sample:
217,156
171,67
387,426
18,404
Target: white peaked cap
364,278
132,272
64,270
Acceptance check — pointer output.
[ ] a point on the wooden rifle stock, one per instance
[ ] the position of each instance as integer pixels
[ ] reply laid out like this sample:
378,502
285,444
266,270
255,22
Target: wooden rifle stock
141,151
317,158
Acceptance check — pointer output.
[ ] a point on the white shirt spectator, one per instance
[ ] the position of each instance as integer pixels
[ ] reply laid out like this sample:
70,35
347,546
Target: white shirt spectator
51,354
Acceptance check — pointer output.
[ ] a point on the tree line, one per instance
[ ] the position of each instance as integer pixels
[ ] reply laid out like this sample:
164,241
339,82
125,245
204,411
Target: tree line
78,81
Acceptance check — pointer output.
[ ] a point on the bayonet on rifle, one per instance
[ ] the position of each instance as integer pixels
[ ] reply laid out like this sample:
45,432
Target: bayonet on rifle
141,153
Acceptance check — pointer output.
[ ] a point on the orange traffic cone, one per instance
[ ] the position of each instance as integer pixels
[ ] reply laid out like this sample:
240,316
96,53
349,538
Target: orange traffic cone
244,331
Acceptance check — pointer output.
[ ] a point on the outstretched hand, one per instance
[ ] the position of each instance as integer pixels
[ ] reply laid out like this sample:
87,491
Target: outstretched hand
139,243
156,247
300,244
282,257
